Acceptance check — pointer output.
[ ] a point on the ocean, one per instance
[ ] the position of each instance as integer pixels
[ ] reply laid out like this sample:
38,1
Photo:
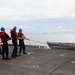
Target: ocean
41,39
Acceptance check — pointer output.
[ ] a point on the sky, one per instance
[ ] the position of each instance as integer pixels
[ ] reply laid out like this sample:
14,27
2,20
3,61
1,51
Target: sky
38,16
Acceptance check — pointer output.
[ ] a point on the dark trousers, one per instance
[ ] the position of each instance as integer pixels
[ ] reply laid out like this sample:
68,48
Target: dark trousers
21,46
14,41
5,51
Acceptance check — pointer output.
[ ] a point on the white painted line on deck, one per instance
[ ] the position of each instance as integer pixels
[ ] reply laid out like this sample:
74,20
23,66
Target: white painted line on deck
36,66
28,53
32,57
61,55
73,62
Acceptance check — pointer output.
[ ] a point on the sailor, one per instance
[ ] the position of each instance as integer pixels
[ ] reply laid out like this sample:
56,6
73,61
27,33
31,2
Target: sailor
4,38
14,41
21,38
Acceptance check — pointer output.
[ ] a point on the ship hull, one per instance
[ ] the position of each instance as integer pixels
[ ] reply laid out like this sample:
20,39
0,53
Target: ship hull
55,45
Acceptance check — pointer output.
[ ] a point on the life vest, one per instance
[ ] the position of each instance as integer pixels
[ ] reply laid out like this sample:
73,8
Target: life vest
20,35
13,34
4,36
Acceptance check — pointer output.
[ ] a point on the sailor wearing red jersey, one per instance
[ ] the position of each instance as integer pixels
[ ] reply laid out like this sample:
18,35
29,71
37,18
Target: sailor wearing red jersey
14,41
4,38
21,38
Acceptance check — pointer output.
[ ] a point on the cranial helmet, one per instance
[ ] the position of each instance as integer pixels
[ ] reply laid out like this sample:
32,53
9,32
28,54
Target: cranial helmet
2,29
20,30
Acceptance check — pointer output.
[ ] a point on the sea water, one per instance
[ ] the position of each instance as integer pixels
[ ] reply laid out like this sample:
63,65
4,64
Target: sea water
41,39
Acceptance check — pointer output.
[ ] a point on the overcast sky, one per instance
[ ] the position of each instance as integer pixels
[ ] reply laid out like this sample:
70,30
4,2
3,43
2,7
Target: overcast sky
38,16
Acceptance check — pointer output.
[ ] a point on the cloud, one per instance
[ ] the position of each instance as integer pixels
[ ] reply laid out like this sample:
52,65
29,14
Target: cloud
60,27
32,9
39,15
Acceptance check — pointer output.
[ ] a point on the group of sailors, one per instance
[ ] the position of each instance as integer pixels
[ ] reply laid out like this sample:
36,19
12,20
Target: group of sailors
14,36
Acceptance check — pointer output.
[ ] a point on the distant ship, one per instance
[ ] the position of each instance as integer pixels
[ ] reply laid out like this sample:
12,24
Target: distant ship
57,45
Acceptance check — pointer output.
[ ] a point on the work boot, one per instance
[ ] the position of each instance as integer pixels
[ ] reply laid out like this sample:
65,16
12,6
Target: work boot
17,55
8,59
12,56
4,58
24,53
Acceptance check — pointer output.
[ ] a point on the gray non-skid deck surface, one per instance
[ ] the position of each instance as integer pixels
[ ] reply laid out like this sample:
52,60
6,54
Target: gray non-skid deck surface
39,62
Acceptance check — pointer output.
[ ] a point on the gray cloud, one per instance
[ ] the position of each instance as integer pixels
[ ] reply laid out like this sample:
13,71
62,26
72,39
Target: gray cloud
38,16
